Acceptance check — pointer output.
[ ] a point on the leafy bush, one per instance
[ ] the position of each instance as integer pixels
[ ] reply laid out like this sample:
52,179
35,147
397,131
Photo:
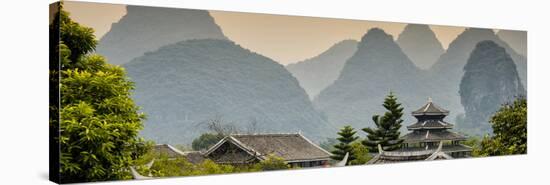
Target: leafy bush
510,131
272,163
99,122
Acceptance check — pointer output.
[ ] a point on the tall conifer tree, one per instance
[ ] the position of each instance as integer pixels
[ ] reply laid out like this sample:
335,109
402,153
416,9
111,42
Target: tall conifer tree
386,133
347,137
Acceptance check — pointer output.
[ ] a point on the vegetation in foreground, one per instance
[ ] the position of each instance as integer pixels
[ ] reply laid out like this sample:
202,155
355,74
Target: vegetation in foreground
509,131
100,123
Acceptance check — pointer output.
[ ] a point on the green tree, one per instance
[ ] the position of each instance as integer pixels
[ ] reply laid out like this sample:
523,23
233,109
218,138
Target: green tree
509,131
386,133
205,141
99,122
271,163
360,152
180,166
347,136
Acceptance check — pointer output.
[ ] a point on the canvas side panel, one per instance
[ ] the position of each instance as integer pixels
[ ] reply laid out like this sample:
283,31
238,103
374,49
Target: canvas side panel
54,92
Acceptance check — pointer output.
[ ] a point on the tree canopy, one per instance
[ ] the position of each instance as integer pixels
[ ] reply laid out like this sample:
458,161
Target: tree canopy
205,141
509,131
99,122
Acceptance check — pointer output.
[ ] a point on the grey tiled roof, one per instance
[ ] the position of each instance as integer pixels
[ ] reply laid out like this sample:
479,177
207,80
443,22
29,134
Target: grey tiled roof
430,124
418,154
167,150
432,136
194,157
290,147
172,152
430,109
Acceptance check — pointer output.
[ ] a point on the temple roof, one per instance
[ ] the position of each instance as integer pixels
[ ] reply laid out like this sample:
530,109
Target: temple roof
172,152
430,109
290,147
432,136
167,150
430,124
427,154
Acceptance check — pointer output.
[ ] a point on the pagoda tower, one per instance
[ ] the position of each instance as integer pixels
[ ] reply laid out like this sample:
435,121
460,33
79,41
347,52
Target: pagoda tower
431,130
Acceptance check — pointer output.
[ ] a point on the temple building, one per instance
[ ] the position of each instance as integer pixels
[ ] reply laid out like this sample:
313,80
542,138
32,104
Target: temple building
430,138
170,152
294,149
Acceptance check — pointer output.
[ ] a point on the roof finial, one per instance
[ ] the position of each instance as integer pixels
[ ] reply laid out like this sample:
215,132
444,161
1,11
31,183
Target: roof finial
343,162
429,99
440,147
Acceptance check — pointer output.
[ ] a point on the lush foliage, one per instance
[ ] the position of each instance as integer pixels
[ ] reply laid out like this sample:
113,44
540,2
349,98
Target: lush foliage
360,152
387,128
165,167
472,141
205,141
271,163
99,122
347,136
510,131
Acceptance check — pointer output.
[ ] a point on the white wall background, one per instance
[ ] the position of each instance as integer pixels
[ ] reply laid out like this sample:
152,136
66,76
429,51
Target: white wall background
24,90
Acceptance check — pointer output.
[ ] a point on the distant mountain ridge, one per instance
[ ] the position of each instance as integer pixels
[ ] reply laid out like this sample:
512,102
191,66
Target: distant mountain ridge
377,67
182,85
420,44
446,74
450,65
317,73
145,29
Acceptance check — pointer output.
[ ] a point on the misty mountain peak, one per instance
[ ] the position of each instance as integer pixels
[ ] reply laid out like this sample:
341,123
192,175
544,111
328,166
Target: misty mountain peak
490,80
377,67
378,50
145,29
375,36
420,44
451,63
317,73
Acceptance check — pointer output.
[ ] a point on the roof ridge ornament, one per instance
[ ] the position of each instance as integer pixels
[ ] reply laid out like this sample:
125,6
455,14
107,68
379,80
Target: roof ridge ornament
440,147
343,162
427,134
136,175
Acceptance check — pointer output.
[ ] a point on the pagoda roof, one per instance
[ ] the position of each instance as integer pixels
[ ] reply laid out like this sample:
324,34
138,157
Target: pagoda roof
416,154
433,136
430,124
430,109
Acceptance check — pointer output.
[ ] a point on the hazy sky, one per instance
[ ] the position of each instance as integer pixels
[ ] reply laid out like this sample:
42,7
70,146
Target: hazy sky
286,39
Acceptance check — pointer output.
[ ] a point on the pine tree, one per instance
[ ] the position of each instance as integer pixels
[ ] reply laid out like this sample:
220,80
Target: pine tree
347,136
386,133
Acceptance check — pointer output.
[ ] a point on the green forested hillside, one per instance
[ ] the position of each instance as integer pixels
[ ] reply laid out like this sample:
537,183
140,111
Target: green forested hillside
183,85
